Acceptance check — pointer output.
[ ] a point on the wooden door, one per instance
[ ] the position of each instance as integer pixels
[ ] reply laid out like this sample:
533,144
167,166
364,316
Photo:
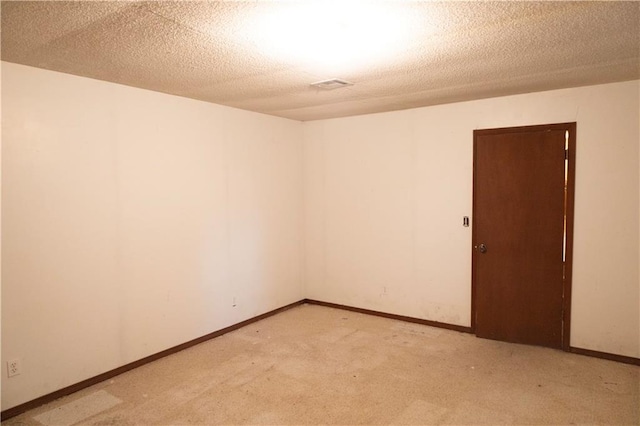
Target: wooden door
523,190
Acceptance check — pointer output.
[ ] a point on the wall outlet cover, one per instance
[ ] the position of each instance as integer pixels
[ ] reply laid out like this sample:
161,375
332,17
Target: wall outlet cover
14,367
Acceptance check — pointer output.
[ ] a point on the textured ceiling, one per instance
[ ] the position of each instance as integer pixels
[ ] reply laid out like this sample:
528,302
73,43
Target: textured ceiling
214,51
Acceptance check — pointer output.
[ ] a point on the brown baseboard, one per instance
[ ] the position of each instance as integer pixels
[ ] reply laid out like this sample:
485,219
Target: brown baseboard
19,409
579,351
448,326
605,355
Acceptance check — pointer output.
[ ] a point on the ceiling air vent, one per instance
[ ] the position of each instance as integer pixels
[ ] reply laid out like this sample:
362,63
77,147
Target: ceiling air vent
334,83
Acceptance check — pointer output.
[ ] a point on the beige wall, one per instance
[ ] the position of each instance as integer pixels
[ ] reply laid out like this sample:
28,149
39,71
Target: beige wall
385,195
131,221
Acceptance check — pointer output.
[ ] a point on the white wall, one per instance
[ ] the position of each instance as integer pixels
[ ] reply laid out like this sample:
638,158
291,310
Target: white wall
385,195
132,219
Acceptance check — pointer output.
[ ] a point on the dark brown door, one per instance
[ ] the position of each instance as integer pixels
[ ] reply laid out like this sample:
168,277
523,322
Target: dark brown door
520,205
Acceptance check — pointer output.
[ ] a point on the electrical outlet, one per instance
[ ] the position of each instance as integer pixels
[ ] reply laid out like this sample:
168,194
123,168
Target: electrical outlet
13,367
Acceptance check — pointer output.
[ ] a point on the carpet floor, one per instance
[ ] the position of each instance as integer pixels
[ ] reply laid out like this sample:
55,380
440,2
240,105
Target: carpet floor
318,365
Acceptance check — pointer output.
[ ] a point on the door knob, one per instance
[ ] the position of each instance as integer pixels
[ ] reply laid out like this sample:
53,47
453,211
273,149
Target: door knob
482,248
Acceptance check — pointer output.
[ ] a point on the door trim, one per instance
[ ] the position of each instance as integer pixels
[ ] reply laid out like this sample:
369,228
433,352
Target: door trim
569,211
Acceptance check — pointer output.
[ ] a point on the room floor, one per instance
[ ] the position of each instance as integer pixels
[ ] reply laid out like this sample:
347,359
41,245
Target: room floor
318,365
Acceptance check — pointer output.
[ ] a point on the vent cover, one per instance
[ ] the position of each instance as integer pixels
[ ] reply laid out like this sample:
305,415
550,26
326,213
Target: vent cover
334,83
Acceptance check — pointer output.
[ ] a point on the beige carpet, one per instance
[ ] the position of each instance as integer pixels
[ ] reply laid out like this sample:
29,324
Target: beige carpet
317,365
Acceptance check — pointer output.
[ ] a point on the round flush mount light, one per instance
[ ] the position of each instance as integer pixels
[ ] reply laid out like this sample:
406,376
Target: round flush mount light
332,36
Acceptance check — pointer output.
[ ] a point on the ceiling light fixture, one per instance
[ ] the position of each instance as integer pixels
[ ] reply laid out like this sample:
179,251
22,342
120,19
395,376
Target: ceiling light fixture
332,37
